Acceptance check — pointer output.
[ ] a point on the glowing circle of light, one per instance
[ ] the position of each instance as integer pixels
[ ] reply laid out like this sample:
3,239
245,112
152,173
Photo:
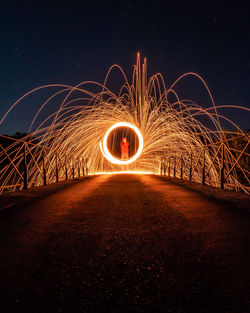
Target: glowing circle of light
109,156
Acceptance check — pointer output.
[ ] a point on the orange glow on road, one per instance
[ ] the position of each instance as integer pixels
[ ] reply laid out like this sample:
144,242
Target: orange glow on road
122,172
176,136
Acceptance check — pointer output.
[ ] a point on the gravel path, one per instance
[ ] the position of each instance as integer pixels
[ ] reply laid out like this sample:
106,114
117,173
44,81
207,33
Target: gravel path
124,243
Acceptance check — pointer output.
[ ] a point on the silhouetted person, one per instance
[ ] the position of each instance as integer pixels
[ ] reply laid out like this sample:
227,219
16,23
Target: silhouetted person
124,148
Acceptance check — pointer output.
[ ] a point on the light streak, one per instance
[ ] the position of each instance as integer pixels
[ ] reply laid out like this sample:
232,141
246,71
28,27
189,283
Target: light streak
167,127
109,156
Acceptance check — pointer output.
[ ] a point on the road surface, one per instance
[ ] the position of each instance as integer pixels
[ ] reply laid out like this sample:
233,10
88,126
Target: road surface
124,243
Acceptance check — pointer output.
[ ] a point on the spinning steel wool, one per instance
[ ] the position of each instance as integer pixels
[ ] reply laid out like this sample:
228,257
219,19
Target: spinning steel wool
171,134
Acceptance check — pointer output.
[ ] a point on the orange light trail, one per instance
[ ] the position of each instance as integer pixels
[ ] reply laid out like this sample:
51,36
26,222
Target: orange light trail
109,156
169,129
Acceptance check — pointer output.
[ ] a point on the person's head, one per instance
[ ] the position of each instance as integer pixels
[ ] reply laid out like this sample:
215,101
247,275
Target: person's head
124,139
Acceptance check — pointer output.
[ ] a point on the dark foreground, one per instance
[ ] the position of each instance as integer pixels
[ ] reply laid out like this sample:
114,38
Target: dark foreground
124,243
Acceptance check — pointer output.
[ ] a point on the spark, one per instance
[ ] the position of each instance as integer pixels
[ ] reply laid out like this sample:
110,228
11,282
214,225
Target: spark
109,156
75,135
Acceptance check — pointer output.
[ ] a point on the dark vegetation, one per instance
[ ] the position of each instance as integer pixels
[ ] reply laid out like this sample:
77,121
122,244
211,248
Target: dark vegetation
12,148
236,146
13,143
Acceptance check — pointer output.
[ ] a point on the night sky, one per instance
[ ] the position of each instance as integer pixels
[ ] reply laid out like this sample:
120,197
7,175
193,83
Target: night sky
73,41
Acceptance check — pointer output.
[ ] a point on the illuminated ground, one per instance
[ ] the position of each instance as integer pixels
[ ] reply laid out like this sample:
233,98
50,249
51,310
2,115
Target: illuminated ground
124,243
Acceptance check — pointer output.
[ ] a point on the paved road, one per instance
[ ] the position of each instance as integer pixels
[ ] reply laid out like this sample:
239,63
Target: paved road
124,243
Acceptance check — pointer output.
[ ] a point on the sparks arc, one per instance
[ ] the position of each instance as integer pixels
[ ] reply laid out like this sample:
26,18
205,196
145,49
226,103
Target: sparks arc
181,138
109,156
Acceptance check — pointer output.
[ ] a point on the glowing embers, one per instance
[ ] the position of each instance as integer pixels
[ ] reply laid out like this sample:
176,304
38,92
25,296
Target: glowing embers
109,156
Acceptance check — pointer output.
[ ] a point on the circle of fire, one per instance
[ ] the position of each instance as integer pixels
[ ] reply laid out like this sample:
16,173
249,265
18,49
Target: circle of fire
109,156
